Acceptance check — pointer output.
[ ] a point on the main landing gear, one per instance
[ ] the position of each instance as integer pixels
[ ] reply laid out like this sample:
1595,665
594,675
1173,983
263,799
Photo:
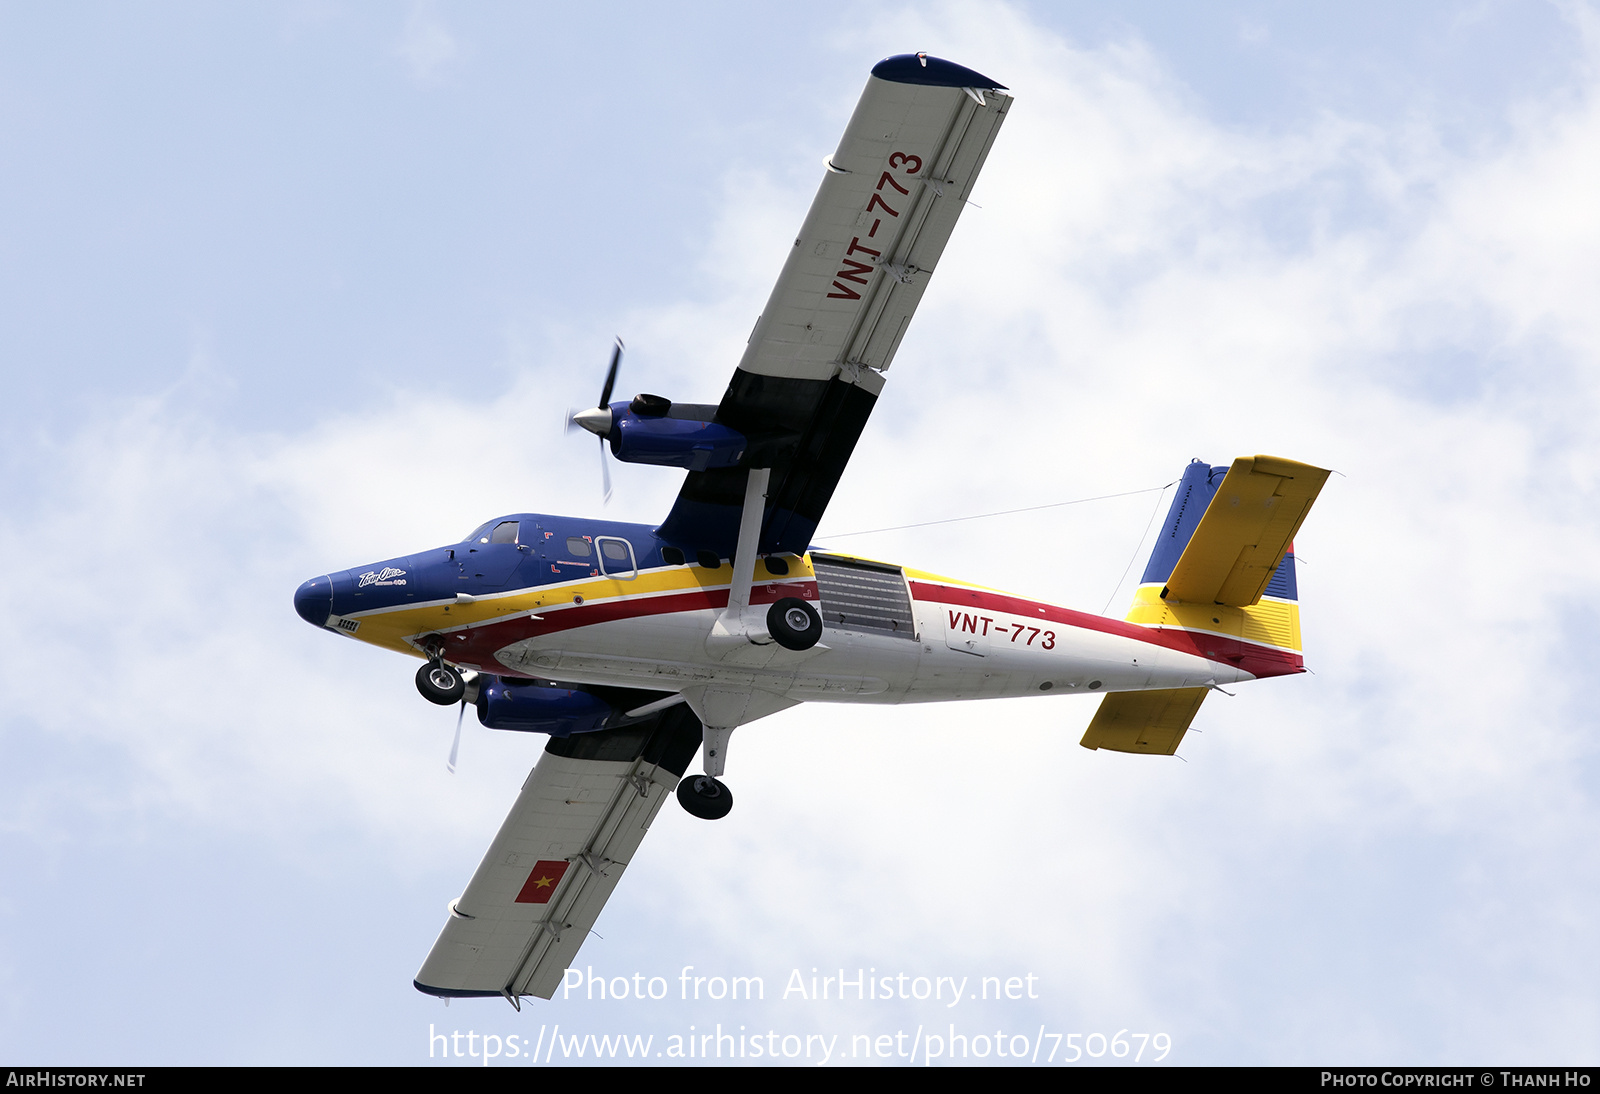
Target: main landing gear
704,797
794,624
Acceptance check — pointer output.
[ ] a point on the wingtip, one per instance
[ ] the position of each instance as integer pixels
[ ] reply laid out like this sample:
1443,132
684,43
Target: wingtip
452,993
921,68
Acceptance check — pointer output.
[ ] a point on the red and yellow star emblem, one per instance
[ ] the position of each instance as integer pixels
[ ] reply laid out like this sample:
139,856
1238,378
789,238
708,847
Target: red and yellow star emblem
542,882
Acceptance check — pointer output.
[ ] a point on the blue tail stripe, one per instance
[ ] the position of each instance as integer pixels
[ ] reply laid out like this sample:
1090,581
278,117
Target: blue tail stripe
1283,585
1195,490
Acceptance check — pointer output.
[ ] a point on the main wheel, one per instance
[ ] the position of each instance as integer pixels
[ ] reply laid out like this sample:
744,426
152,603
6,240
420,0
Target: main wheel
704,797
439,683
794,624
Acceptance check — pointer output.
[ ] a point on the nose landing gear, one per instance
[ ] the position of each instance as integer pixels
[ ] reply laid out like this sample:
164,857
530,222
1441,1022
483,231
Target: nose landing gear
441,683
438,682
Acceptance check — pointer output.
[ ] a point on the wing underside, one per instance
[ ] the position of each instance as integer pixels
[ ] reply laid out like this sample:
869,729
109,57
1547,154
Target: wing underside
814,366
559,854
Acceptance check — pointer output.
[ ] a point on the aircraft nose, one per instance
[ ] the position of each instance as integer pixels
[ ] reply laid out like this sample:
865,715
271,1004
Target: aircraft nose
313,601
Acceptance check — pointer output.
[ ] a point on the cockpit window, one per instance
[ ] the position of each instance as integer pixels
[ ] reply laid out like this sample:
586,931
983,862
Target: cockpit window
496,531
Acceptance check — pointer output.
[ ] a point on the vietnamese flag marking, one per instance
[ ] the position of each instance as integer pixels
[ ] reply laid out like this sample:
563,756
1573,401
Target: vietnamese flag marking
542,882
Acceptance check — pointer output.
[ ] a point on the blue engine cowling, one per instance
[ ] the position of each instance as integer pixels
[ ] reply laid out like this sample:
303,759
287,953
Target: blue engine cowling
670,441
534,707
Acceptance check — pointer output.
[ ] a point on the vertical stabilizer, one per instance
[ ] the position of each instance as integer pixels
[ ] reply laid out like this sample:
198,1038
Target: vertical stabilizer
1222,569
1195,490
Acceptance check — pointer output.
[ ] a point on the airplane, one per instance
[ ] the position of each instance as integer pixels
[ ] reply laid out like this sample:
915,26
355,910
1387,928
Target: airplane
635,646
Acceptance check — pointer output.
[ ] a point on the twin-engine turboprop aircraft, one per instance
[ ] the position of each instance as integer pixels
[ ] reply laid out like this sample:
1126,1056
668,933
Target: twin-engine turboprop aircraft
632,646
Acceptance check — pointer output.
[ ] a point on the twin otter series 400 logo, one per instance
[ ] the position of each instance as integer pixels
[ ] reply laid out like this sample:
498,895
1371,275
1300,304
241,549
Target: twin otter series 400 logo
385,576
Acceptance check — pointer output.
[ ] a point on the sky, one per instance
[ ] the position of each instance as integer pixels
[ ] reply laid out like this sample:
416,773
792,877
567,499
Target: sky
289,287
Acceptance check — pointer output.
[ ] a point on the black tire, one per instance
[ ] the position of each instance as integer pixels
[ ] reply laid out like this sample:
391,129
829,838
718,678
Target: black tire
704,797
794,624
439,683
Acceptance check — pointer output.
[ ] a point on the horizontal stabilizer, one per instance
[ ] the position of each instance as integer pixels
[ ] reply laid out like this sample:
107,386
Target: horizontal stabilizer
1144,721
1246,531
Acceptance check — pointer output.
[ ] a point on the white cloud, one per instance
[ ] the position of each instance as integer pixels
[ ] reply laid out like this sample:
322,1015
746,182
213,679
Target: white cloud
426,44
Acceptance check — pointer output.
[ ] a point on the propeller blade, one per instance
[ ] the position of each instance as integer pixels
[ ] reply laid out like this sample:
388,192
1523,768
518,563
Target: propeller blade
605,471
611,374
570,422
455,746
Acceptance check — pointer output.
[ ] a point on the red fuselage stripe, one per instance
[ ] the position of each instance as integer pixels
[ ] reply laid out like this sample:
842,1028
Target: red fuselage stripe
1255,659
476,647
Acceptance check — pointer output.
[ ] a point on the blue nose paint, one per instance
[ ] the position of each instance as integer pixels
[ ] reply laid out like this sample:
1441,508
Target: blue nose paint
313,601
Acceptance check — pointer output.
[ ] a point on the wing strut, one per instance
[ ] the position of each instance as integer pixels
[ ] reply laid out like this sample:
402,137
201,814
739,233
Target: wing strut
734,629
744,558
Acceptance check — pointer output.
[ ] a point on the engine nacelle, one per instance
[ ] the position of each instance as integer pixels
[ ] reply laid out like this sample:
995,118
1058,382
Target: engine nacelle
532,707
654,430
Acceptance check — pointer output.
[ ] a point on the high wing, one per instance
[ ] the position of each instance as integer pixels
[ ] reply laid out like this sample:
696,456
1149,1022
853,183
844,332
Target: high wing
576,825
815,361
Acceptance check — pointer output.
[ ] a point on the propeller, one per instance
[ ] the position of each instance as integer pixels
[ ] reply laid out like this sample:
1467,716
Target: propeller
469,694
611,375
455,745
598,420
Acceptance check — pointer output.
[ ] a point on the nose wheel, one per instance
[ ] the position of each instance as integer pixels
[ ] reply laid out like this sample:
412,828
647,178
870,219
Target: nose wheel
704,797
441,683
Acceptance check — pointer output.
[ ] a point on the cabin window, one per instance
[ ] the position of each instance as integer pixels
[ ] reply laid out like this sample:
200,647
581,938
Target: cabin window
578,547
616,558
672,556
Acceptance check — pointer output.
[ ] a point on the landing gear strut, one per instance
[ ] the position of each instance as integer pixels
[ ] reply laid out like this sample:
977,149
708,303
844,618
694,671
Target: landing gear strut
704,797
